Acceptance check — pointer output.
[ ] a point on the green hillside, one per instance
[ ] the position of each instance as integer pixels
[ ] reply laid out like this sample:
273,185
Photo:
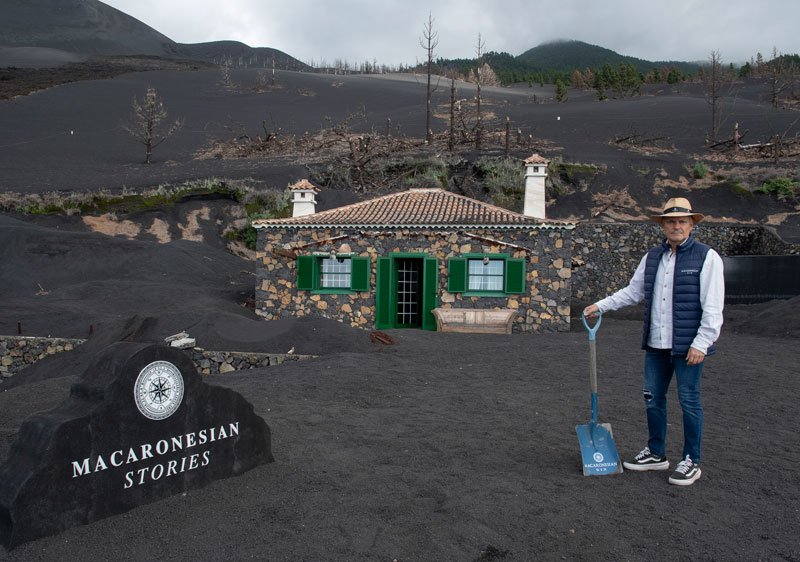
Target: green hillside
566,56
558,59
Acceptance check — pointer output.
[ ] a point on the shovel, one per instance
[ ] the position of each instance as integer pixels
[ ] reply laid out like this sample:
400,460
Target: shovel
598,450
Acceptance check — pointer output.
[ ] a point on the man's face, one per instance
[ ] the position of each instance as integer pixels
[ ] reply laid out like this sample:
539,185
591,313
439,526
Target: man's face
677,229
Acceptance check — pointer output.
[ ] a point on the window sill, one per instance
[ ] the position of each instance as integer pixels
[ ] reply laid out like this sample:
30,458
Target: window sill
485,294
332,292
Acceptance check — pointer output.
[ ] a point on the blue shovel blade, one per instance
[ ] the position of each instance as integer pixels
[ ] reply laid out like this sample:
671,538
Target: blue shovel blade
598,450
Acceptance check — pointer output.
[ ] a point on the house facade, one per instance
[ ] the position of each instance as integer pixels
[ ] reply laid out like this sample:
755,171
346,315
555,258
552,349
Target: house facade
390,261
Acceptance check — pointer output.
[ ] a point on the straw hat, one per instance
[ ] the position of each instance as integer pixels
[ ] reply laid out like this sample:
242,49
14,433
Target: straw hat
678,207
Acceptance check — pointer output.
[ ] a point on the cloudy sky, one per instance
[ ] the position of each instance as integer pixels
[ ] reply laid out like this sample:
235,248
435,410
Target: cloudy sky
390,31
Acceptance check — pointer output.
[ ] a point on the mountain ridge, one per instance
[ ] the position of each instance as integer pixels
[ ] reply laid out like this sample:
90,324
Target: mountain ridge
42,32
563,52
55,31
86,27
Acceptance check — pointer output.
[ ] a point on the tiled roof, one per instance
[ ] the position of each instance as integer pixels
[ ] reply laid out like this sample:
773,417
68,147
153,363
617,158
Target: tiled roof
303,185
415,208
536,159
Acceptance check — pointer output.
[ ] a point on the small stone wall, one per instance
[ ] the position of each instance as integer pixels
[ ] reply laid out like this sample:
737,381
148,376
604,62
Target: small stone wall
605,255
18,352
221,362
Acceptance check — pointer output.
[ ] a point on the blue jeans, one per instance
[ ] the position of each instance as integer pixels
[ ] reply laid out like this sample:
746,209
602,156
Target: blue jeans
659,365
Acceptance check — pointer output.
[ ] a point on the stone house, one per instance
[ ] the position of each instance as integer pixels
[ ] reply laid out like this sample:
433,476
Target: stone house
390,262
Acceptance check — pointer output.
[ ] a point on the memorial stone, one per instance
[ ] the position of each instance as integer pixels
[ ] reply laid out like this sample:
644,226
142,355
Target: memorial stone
138,426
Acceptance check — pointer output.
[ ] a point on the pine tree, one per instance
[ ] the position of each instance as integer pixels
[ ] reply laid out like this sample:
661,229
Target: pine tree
561,91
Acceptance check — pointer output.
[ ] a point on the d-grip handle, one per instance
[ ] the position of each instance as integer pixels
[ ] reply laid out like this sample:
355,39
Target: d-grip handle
592,329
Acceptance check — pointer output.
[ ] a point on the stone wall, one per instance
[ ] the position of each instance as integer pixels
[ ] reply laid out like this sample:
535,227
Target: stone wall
221,362
605,255
18,352
545,306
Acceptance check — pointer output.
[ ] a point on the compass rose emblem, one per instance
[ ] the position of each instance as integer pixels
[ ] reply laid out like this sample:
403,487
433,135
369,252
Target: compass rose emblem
158,391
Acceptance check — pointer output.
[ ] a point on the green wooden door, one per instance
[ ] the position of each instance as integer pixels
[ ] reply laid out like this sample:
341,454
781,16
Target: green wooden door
430,293
384,311
396,305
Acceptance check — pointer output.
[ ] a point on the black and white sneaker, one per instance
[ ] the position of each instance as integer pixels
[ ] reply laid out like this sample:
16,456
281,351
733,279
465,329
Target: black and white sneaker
685,473
646,460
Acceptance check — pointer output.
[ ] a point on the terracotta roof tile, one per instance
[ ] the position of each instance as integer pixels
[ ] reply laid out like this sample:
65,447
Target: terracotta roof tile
415,208
303,185
536,159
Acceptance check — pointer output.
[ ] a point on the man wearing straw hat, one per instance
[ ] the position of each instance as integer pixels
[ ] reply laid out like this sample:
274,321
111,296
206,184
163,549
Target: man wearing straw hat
682,286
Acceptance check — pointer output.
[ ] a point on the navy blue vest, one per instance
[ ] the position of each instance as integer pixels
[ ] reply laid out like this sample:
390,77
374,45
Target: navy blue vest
686,309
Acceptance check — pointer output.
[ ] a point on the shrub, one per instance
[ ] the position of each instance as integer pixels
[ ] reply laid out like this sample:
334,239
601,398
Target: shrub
782,187
126,201
504,181
564,178
699,171
260,205
418,173
502,173
266,204
573,171
737,188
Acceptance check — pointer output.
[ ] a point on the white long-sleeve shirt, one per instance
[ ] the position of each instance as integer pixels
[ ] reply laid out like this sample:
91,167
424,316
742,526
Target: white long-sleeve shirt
712,299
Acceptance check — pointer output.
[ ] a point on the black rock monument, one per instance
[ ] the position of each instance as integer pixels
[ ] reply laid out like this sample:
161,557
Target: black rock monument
139,425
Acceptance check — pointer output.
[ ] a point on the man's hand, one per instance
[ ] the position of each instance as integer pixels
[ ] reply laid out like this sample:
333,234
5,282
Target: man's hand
591,311
694,357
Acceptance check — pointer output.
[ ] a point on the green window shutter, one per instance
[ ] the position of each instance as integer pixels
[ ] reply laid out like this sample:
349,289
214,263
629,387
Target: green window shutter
359,273
430,293
306,266
456,275
383,295
515,276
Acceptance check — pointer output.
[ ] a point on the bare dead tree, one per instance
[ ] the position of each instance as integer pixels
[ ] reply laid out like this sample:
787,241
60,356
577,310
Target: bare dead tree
779,145
479,50
362,148
225,70
261,80
451,137
715,80
508,133
429,42
146,123
779,76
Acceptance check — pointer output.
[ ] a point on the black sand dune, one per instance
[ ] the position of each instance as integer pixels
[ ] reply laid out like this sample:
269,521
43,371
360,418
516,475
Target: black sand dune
454,447
64,283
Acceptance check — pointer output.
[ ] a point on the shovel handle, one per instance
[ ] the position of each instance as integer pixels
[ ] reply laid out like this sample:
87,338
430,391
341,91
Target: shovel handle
592,329
593,360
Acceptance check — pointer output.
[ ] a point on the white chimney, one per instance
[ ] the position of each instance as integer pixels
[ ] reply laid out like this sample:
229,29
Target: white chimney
304,200
535,176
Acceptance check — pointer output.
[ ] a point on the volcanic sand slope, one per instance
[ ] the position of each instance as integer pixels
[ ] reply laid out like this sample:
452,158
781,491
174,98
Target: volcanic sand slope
447,446
79,27
71,137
